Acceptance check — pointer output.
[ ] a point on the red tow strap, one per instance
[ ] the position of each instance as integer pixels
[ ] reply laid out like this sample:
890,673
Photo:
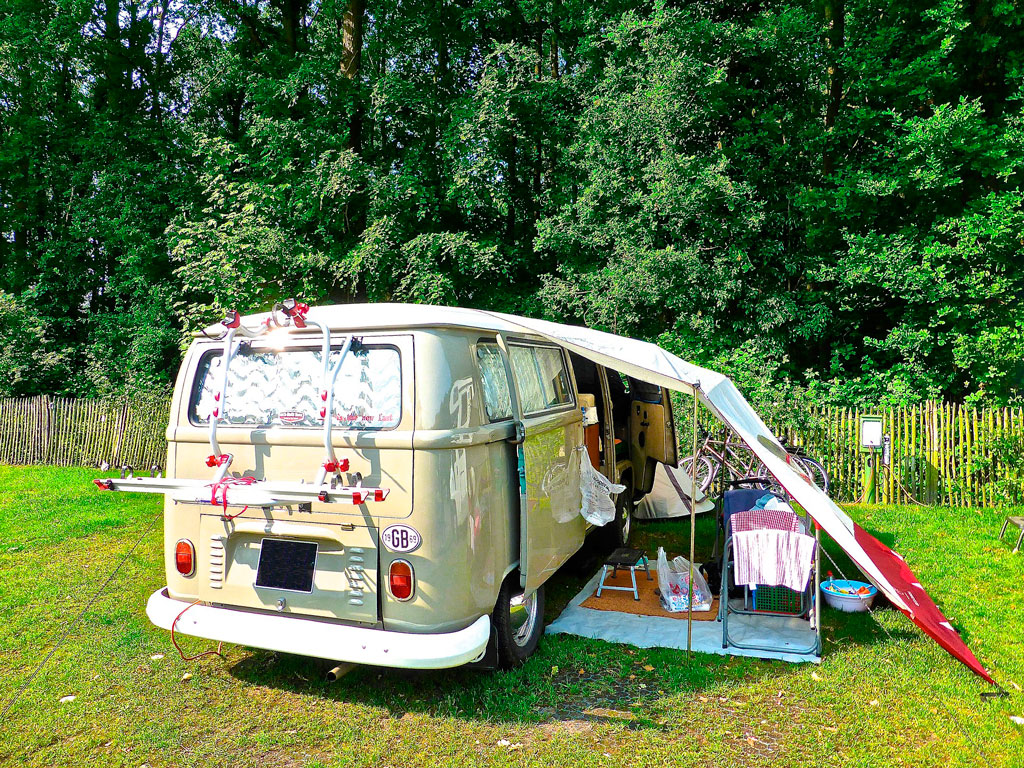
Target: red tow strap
222,487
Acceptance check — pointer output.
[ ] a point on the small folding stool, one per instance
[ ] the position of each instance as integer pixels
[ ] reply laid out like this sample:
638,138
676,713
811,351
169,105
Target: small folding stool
1019,522
624,558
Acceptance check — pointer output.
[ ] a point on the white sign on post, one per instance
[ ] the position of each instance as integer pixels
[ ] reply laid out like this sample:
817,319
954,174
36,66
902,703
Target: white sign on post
871,433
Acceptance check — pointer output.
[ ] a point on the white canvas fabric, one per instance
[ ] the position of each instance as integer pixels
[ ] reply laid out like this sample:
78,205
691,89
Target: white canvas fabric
670,496
648,362
732,408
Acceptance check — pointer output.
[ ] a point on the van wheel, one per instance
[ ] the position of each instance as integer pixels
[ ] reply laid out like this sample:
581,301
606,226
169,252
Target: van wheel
518,622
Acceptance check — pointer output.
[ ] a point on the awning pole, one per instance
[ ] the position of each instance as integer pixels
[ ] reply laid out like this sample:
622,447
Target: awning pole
693,519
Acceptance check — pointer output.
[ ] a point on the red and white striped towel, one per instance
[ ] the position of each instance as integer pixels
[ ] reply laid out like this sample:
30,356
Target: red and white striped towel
757,519
773,558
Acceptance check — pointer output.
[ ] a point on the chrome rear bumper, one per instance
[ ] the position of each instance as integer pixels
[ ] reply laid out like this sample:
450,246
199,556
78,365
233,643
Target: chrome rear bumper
289,633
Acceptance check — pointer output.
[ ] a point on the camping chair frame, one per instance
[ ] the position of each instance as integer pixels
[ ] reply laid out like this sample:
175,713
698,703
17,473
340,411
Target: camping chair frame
810,604
722,514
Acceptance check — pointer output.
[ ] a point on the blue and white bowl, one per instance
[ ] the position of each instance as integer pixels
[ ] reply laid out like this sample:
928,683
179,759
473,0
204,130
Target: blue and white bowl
842,595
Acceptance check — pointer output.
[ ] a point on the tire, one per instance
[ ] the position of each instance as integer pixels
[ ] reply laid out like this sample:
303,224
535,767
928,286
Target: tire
703,473
518,622
817,472
812,468
766,481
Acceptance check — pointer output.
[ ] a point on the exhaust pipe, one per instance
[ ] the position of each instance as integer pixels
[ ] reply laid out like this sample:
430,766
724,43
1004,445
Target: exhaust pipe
333,675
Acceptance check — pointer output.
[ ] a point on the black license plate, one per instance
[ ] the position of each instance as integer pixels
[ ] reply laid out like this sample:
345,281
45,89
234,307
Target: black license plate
287,565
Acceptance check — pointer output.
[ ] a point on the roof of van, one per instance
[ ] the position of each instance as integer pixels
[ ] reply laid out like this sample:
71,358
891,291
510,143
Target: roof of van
373,317
633,357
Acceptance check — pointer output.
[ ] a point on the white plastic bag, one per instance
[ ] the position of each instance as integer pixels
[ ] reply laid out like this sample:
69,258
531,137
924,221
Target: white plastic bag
673,584
596,490
701,591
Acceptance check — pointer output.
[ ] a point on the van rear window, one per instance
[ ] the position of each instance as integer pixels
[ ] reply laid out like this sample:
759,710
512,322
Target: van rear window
281,388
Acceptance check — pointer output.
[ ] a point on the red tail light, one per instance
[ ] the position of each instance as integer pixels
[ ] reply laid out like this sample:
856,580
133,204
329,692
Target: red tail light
185,557
401,580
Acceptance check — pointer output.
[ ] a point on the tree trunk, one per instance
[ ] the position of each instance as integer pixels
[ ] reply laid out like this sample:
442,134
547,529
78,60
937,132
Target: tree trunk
556,9
443,89
352,38
158,67
233,115
513,173
351,60
106,95
835,20
549,165
539,66
294,14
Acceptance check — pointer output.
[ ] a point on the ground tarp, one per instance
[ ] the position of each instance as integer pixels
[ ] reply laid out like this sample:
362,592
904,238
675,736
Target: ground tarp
669,632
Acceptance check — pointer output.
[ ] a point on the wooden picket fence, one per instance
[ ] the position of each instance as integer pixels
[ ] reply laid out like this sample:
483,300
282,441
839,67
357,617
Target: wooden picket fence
65,431
940,453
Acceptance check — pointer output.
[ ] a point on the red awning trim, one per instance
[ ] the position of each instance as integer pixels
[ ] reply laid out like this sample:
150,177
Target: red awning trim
927,614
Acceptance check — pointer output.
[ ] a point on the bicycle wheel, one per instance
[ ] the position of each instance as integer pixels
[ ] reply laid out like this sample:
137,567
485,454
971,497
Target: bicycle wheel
766,481
703,473
814,471
817,472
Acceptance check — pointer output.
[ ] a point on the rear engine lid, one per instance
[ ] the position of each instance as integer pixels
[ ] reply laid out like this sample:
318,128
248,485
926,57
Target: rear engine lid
313,569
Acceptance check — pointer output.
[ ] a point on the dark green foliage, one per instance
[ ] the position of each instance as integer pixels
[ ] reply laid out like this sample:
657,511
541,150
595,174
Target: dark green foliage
823,199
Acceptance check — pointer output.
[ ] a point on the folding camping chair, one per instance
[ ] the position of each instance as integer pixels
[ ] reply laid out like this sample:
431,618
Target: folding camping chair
739,500
733,501
788,524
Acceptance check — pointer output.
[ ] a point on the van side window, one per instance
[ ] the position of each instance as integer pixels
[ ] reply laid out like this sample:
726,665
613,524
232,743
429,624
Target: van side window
643,391
542,378
497,401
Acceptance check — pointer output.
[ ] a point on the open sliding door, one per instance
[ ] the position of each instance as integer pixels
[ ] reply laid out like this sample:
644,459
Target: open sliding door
550,430
652,431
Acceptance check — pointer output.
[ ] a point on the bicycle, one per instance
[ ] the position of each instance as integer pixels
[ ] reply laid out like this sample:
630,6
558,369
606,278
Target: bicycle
814,468
743,466
712,455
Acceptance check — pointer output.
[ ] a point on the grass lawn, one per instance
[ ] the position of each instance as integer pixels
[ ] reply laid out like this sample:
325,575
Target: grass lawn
880,697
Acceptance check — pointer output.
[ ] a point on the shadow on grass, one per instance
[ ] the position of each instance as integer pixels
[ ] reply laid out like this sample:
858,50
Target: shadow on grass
568,679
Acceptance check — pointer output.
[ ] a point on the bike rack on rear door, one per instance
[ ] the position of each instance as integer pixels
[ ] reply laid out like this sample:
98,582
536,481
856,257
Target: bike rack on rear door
249,491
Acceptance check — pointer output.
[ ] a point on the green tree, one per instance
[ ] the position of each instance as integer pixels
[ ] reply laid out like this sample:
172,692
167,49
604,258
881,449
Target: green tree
822,198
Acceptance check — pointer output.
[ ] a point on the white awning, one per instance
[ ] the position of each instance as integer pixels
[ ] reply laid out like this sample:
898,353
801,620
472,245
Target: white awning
650,363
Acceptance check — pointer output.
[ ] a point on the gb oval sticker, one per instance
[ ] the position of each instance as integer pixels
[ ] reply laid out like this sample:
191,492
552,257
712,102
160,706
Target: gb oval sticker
400,538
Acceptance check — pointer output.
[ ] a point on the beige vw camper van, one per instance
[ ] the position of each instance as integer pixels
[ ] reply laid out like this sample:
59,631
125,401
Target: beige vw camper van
388,484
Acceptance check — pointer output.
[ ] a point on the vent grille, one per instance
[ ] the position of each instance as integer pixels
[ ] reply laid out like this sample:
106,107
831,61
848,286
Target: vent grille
354,570
217,564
